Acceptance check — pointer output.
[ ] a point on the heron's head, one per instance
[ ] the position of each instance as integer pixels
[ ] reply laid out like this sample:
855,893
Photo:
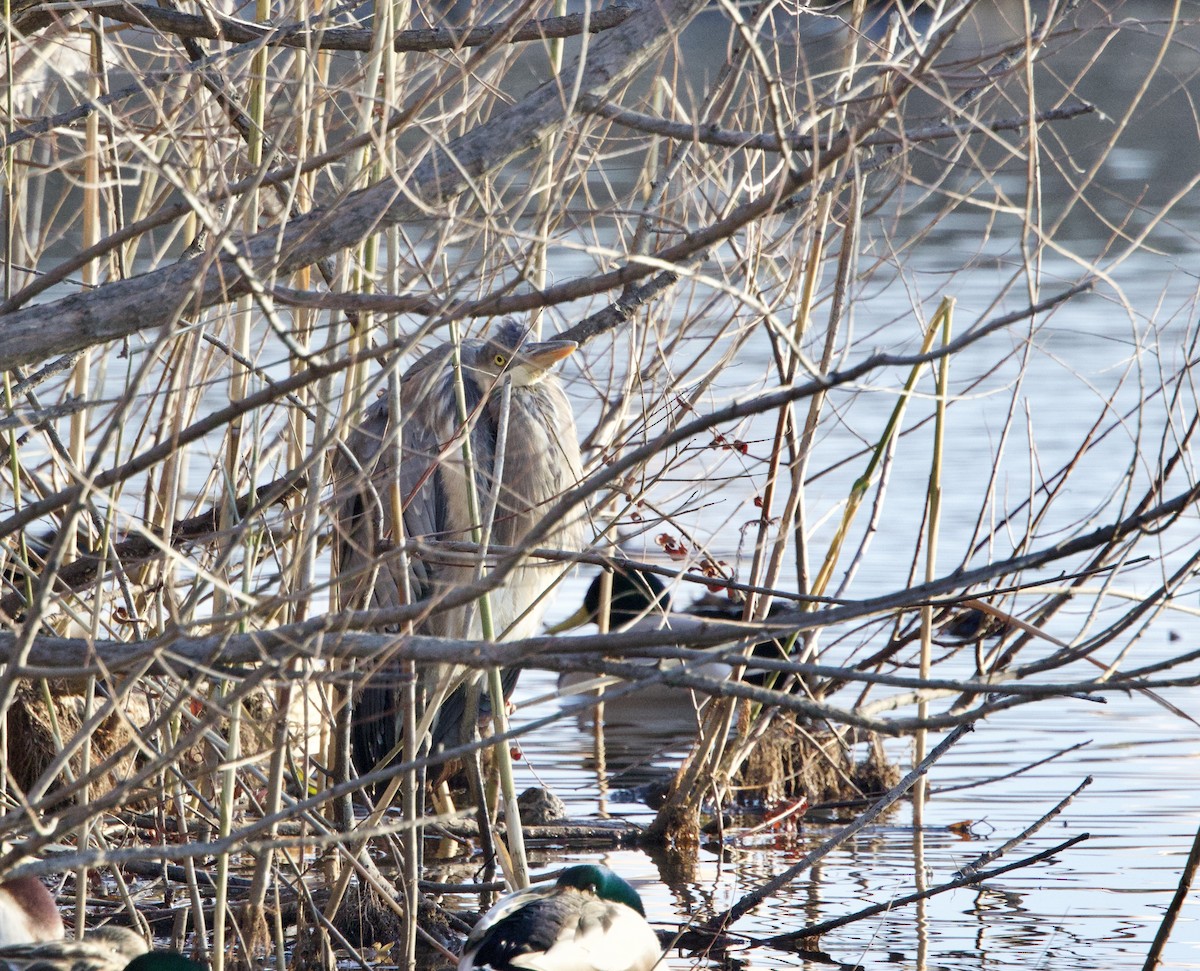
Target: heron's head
507,351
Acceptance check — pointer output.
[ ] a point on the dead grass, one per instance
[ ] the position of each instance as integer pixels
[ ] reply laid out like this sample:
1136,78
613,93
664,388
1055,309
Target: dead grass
790,761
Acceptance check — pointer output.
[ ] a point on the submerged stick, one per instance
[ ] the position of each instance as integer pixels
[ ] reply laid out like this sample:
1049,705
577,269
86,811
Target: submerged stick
1154,955
964,880
985,858
756,897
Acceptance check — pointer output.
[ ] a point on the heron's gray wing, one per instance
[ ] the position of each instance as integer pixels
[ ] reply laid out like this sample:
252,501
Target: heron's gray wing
378,712
434,507
421,493
358,508
364,572
439,508
365,575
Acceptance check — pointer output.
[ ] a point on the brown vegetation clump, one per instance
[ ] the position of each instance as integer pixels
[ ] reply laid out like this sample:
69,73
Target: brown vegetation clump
791,760
37,734
364,918
32,729
728,211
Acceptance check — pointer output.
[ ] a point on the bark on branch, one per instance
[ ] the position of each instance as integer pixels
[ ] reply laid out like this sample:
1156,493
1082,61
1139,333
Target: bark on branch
218,27
125,307
138,549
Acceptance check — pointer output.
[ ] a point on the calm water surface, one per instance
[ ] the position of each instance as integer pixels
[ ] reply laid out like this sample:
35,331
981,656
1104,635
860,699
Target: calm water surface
1098,904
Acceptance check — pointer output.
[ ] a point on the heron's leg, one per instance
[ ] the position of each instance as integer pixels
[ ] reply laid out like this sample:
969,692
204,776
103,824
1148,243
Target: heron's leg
340,743
443,801
469,733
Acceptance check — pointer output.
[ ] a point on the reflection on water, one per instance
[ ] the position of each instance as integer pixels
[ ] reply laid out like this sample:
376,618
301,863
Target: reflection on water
1098,904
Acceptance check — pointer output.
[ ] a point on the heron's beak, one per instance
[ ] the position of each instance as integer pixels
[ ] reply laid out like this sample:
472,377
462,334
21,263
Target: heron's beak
548,353
577,619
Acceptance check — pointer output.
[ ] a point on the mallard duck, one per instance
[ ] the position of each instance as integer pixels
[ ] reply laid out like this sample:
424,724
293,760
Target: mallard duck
590,920
163,961
635,595
32,938
28,913
640,600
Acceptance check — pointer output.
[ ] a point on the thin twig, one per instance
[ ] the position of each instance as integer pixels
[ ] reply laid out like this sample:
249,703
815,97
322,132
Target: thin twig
1154,955
816,930
751,900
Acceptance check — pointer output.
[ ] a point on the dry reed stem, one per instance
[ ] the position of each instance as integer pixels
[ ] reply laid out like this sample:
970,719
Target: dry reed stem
676,230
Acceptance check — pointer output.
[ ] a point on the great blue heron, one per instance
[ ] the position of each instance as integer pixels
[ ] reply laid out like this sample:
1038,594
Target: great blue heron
539,462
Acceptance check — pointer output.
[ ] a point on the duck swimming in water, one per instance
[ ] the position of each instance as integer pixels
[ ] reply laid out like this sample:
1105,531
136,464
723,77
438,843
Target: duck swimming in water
590,920
635,596
641,601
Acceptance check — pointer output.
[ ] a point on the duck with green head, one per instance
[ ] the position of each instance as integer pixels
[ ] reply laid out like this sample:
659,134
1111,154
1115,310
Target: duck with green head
590,920
634,596
639,600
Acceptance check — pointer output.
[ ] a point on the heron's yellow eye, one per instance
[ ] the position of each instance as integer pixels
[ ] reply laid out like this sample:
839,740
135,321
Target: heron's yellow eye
500,360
